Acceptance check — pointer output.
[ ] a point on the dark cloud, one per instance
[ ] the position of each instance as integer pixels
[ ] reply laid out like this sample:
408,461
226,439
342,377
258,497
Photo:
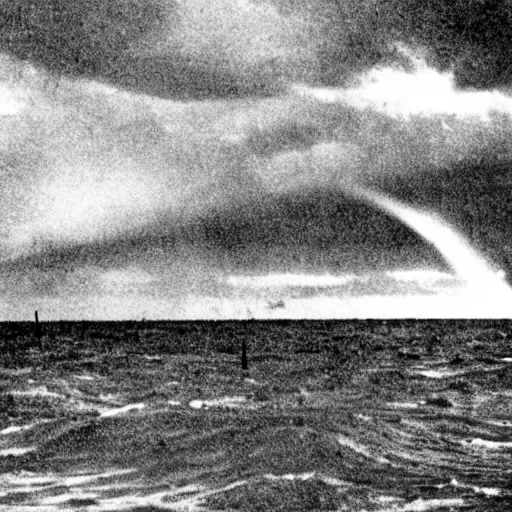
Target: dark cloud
79,36
103,39
472,37
161,48
313,232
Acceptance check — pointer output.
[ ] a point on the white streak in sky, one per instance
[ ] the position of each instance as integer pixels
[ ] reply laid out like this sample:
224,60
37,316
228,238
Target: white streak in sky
465,261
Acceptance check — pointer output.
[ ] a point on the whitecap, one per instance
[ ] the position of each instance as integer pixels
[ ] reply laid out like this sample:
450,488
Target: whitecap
121,410
290,476
173,402
438,374
228,401
39,391
13,428
134,501
152,358
488,491
81,479
335,482
387,499
493,445
507,424
349,443
421,505
16,451
25,478
162,500
191,503
28,481
403,405
182,498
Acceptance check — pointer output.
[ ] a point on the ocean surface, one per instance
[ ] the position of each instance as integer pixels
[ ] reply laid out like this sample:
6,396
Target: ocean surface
400,416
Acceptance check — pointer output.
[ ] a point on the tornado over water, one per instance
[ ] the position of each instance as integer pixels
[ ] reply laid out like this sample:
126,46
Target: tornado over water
465,261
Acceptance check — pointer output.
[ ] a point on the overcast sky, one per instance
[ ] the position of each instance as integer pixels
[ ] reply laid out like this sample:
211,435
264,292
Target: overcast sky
189,159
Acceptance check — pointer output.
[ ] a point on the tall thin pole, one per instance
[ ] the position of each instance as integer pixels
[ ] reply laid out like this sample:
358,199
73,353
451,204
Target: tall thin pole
38,330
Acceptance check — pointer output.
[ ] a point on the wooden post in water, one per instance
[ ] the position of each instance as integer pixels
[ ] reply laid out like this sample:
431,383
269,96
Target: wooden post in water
244,355
38,331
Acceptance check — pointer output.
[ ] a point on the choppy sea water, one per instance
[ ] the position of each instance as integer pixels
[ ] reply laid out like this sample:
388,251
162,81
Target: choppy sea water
329,416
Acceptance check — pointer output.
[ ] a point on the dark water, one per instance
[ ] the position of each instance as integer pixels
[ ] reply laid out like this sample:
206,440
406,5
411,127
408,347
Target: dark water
355,416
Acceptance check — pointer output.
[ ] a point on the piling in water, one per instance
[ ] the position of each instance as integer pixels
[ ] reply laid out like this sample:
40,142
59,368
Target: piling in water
38,331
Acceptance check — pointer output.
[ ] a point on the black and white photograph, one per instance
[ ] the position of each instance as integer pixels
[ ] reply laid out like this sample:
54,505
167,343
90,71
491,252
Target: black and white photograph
255,255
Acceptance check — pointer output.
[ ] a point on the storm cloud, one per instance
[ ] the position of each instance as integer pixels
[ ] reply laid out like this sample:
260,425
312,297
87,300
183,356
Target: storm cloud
163,48
160,148
228,49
